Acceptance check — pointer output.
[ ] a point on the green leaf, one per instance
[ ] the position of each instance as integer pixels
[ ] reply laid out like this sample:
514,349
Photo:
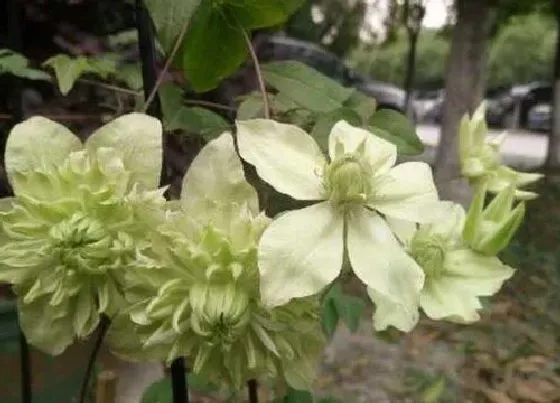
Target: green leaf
396,128
67,70
196,120
251,107
329,317
18,65
252,14
434,391
214,47
159,392
306,86
131,75
325,122
350,311
296,396
363,105
169,17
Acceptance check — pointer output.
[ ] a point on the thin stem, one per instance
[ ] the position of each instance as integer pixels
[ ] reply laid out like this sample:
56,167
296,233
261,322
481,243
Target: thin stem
258,71
168,62
109,86
209,104
101,332
25,362
179,381
253,388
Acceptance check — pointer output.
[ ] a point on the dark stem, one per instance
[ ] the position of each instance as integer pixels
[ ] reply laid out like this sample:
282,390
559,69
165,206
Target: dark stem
25,362
253,388
179,381
101,332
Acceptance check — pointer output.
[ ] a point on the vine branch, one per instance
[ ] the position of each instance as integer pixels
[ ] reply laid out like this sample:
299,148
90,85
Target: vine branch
258,71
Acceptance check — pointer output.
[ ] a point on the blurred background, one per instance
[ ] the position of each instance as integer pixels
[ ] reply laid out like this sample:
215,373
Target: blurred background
433,60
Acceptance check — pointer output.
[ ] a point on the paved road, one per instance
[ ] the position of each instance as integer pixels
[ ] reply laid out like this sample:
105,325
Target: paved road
521,149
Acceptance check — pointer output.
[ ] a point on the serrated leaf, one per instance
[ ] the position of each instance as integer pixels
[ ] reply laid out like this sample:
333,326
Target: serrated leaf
396,128
195,120
325,122
306,86
18,65
363,105
169,17
67,70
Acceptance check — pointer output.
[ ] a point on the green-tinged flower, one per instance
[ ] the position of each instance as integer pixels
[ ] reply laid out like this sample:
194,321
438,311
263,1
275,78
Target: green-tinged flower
481,161
456,275
301,252
77,220
195,292
489,230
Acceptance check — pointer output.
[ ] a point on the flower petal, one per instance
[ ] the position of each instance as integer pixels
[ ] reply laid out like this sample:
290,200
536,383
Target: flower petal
403,230
38,143
383,265
284,155
138,138
408,192
216,177
440,300
381,154
300,253
388,313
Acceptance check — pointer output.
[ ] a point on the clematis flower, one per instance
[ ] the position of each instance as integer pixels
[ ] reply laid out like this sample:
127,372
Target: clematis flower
301,252
481,161
456,275
489,230
76,221
195,292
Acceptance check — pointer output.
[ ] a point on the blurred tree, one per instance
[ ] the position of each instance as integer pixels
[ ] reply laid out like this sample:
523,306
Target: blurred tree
335,24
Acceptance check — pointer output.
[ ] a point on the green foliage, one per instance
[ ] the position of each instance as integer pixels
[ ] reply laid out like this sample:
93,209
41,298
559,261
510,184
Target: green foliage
214,45
194,120
396,128
302,396
306,86
326,121
67,69
18,65
535,36
338,306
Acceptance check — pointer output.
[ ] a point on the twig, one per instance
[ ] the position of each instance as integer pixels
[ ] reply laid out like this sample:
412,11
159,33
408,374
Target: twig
258,72
168,62
109,86
102,331
209,104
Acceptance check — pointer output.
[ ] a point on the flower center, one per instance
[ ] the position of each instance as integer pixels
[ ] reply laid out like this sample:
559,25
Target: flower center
348,180
80,243
429,252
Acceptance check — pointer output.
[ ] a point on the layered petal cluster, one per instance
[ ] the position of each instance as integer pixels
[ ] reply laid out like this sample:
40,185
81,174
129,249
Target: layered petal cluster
481,161
352,192
195,292
456,275
77,220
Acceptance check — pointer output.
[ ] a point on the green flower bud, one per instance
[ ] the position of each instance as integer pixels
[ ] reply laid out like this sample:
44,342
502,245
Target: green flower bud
489,230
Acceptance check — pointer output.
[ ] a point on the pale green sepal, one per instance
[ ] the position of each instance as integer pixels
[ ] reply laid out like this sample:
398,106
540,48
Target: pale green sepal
284,155
300,253
474,216
502,234
38,143
138,139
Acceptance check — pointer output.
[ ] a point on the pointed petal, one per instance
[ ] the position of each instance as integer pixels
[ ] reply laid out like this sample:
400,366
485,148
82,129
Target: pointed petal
381,154
300,253
503,233
138,138
382,264
407,192
216,177
284,155
38,142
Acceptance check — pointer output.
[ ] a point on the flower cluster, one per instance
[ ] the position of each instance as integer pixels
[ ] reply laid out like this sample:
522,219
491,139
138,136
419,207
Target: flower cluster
210,276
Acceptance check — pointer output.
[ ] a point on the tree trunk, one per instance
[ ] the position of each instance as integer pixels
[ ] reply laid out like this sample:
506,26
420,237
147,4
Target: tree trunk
464,89
553,154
